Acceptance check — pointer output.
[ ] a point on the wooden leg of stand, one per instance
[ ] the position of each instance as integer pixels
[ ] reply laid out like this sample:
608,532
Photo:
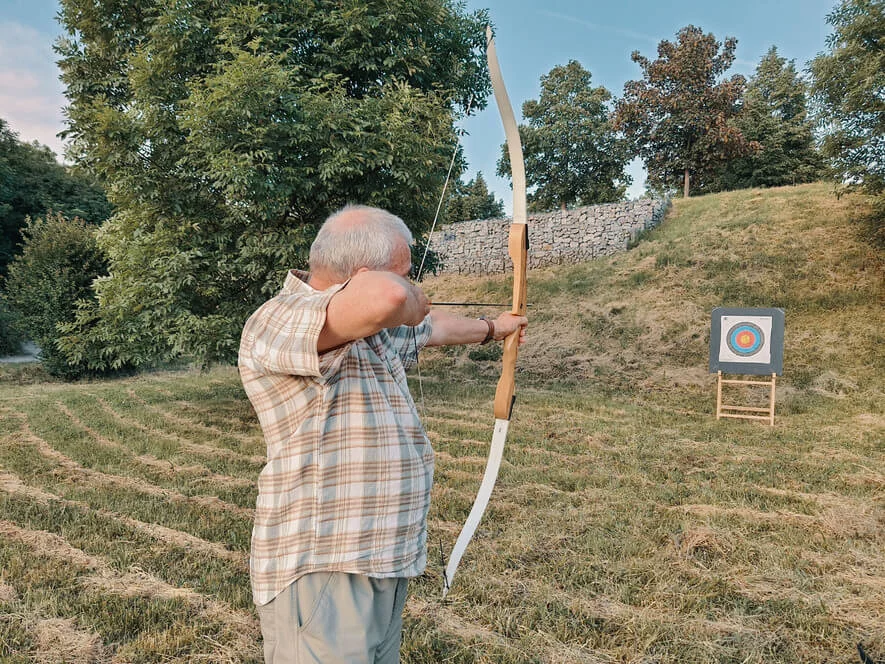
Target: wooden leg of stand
719,396
771,403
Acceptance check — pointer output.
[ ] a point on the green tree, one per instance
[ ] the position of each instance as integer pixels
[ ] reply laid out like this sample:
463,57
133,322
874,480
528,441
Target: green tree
473,200
32,182
775,116
56,267
227,130
849,88
679,116
572,154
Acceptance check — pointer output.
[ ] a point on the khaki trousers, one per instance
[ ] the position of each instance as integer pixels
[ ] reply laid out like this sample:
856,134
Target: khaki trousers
335,618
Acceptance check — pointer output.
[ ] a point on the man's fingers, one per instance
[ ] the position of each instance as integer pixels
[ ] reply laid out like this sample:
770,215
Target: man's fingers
507,323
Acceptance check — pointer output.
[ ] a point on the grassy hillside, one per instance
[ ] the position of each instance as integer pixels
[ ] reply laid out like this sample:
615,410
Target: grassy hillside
642,319
628,525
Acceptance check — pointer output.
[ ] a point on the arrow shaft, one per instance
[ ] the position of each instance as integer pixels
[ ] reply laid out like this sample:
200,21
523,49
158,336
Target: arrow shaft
473,304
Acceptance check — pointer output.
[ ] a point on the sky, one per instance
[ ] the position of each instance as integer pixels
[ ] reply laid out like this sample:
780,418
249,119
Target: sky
532,37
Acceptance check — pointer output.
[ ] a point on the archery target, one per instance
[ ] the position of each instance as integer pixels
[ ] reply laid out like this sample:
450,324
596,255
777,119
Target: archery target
745,339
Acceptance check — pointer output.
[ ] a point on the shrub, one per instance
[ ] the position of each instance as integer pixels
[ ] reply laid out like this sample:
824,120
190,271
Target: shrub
59,260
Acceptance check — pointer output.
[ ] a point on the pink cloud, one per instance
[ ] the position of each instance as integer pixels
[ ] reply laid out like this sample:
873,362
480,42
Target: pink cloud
31,96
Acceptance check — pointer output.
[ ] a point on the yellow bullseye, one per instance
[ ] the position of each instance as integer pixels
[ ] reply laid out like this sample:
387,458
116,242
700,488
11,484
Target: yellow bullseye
745,339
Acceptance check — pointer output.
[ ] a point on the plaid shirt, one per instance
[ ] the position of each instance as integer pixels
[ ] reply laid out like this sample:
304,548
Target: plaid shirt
349,467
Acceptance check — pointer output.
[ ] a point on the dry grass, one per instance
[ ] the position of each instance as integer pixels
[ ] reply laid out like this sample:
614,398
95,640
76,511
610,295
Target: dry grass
628,525
58,641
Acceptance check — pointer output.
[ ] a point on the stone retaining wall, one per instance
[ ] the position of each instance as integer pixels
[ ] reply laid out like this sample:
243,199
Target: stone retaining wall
568,236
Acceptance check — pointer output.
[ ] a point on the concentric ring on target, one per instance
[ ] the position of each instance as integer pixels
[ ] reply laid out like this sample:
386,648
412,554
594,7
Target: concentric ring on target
745,339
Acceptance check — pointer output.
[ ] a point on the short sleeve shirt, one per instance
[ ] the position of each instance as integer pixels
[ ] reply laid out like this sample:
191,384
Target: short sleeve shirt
349,467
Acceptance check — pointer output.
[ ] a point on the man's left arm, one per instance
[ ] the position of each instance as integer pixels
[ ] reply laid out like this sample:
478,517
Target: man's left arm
449,329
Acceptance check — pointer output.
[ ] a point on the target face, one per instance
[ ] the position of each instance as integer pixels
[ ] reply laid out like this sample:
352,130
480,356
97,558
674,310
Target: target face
745,339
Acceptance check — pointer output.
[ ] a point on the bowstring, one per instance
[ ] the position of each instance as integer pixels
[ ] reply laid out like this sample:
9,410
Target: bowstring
443,197
439,206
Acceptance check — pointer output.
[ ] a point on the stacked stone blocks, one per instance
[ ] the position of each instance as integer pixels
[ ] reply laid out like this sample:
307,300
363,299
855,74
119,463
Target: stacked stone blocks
566,236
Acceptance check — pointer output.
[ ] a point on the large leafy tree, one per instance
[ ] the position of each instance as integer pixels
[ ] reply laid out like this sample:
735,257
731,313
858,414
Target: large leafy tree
775,116
227,130
849,87
572,154
473,200
680,114
32,183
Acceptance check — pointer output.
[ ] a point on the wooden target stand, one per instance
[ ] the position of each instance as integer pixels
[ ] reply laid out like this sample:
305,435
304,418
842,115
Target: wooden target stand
747,342
744,412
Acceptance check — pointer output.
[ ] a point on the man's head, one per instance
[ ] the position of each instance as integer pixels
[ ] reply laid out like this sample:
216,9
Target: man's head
358,236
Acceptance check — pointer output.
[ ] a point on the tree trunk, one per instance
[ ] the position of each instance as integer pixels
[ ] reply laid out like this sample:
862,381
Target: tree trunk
687,181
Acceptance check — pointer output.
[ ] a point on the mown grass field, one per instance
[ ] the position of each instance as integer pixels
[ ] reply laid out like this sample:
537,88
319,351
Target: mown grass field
627,525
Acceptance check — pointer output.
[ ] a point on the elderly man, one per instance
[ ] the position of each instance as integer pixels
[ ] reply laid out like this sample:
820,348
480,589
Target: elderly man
341,518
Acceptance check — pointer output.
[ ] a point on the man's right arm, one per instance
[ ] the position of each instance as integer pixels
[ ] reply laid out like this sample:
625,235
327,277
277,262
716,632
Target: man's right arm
370,302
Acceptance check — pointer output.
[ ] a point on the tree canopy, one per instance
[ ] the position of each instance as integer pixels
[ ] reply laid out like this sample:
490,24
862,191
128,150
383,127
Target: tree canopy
32,183
774,115
849,88
227,130
572,154
680,115
473,200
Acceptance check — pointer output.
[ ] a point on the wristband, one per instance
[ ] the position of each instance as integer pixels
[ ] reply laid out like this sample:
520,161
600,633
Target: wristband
491,333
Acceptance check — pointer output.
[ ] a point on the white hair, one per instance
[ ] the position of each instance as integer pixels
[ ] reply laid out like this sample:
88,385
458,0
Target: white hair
343,244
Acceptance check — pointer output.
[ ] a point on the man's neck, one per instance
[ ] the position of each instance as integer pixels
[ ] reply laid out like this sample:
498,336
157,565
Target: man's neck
321,280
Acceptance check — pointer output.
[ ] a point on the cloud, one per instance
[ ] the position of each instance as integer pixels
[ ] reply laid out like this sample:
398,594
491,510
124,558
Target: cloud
31,96
604,28
18,79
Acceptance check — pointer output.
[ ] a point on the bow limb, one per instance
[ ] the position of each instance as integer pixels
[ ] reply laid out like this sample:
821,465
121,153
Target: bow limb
518,243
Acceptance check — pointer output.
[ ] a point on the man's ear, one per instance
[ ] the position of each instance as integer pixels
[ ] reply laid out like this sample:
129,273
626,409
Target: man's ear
362,269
